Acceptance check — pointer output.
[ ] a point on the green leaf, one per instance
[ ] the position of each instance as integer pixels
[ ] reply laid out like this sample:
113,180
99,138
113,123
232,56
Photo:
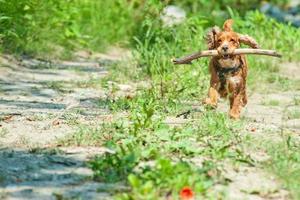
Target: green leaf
134,181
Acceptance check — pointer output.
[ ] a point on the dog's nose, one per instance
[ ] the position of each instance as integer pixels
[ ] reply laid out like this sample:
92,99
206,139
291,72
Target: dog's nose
225,48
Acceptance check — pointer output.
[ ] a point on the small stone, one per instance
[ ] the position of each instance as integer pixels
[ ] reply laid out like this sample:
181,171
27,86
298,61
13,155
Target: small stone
125,88
83,54
56,122
172,15
7,118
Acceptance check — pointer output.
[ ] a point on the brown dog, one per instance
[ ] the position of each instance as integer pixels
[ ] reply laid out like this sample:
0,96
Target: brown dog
228,72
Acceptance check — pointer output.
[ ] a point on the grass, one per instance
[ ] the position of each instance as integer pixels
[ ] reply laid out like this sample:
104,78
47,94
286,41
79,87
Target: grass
285,163
3,132
293,114
150,156
272,102
153,159
296,101
145,140
59,86
75,24
41,117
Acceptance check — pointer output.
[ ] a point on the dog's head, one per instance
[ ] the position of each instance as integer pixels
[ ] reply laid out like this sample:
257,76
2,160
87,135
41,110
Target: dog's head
226,41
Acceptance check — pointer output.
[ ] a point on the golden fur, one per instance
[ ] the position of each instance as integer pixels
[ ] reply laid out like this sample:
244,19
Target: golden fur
228,72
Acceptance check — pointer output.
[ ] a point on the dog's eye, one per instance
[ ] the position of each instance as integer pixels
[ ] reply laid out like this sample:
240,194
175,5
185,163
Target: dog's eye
232,40
219,41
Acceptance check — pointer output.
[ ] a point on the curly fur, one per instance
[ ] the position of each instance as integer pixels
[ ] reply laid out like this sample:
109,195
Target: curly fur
228,74
247,40
228,25
211,37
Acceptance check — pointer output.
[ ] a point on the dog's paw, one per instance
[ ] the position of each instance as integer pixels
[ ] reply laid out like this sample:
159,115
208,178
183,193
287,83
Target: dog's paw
234,114
210,103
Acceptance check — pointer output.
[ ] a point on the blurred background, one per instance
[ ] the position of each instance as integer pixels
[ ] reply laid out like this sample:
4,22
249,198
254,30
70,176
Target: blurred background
54,28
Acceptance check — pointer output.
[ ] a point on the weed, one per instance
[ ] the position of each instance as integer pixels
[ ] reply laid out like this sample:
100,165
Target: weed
284,162
143,138
296,101
272,102
72,117
72,25
115,167
82,137
90,83
3,194
146,139
3,132
23,141
58,86
293,114
166,178
41,117
39,150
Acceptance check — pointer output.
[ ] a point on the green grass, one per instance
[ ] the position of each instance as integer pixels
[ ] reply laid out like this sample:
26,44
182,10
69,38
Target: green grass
150,156
3,132
272,102
285,157
59,86
25,26
155,160
296,101
143,138
293,114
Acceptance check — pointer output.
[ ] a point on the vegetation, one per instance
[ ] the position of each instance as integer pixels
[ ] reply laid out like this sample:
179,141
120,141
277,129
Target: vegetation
155,159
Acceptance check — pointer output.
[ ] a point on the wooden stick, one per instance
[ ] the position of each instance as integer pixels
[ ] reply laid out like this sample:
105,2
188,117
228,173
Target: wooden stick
188,59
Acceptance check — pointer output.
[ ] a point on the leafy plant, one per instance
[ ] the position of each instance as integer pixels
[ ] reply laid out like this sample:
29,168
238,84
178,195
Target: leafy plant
167,179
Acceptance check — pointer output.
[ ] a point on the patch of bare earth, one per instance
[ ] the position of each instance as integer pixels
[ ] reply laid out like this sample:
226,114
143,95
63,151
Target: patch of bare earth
267,116
40,102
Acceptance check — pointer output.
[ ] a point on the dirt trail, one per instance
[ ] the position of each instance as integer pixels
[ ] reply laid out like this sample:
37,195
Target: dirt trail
268,114
39,103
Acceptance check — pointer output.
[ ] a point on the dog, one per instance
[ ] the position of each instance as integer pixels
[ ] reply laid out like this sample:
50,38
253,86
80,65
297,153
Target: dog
228,72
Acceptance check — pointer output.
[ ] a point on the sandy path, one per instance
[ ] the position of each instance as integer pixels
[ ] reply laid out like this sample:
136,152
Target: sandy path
35,111
267,114
40,102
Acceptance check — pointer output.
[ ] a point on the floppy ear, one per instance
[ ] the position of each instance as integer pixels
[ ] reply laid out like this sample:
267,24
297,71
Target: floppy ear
211,37
227,26
247,40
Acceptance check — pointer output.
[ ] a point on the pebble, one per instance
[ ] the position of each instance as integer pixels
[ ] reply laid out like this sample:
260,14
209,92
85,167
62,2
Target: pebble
173,15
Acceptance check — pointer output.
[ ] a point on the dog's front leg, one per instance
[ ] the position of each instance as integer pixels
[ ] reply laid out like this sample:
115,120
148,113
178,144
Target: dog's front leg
235,106
236,97
213,96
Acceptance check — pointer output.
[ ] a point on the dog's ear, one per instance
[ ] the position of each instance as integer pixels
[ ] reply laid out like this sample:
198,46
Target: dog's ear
247,40
211,37
227,26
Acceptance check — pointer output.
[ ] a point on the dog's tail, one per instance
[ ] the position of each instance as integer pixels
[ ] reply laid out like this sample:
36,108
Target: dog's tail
228,25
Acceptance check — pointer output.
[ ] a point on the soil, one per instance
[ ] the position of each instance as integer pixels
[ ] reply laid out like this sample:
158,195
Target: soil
40,102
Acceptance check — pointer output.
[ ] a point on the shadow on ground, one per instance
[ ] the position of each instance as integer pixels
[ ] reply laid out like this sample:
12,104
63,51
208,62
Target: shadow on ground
46,174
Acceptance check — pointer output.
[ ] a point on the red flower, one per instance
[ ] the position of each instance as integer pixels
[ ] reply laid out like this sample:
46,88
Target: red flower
187,193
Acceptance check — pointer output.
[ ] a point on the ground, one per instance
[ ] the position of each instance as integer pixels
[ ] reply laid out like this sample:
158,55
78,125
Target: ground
39,106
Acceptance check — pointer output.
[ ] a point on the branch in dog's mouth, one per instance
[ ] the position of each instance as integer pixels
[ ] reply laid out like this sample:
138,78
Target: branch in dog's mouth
188,59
